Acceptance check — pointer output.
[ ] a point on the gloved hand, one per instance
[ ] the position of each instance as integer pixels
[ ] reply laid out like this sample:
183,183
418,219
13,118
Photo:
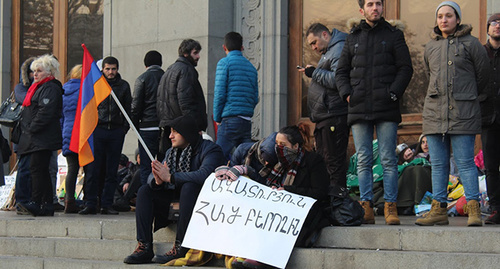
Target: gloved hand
309,71
236,171
221,172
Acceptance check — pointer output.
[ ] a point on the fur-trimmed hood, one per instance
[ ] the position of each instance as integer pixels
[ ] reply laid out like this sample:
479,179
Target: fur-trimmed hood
462,30
25,71
354,24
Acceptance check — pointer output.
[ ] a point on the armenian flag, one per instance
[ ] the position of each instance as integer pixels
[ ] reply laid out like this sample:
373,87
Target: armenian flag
93,90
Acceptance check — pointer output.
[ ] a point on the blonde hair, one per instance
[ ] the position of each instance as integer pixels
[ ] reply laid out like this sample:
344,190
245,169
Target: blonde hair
75,72
46,62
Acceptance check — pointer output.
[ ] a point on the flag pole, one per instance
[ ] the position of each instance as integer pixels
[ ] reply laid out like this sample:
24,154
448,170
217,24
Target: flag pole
132,125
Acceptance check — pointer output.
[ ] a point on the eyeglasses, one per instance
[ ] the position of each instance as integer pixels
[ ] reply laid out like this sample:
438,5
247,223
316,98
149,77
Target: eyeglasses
495,23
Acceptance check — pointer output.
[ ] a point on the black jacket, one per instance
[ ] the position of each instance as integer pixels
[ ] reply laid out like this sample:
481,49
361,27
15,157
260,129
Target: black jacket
323,98
180,93
490,100
40,122
110,116
375,62
143,111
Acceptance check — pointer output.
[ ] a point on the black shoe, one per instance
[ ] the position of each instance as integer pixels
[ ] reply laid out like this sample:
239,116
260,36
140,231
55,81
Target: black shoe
108,211
175,253
494,218
143,253
88,211
21,211
121,205
58,207
33,208
47,210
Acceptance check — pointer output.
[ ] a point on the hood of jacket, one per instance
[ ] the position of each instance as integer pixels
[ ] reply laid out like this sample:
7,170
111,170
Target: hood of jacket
72,86
337,36
462,30
356,24
25,71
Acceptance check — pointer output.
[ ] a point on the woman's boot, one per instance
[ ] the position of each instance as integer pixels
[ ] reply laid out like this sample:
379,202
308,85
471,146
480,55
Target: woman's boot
369,217
391,214
438,215
474,211
70,206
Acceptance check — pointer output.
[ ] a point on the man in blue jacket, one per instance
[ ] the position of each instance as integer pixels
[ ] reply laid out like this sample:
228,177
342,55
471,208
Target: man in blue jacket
236,94
326,107
187,164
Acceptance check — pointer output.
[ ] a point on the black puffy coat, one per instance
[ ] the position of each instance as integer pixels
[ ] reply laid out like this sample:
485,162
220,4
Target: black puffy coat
180,93
143,111
40,122
323,98
375,62
110,116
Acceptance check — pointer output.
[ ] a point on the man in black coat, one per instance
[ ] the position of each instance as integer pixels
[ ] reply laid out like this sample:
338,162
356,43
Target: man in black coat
180,92
373,72
143,112
108,142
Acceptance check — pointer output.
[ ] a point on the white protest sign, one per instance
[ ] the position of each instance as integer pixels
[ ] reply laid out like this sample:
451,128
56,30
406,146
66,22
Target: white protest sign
6,189
246,219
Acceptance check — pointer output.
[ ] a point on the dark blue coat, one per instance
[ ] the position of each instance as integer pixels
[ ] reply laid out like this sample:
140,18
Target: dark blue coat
70,101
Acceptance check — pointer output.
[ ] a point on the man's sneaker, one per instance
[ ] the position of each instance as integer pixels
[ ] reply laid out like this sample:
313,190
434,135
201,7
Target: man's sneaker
143,253
33,208
175,253
21,211
108,211
494,218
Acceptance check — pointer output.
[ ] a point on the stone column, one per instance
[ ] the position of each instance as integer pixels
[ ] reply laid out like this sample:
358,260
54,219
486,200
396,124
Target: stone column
5,48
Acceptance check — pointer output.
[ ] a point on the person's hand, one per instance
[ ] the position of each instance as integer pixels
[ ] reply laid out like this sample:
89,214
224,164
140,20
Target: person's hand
309,70
125,187
217,123
276,188
348,98
221,172
160,172
236,171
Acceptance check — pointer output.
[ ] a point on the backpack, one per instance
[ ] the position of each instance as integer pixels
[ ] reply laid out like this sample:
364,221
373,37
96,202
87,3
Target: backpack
343,210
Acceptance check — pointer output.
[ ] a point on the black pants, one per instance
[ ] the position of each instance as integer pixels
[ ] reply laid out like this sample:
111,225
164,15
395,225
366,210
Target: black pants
332,145
41,183
71,175
153,206
491,153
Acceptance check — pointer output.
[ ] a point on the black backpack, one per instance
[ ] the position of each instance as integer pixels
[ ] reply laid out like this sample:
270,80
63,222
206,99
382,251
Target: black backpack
343,210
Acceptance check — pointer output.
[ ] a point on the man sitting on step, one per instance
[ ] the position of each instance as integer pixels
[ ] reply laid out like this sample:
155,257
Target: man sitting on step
187,164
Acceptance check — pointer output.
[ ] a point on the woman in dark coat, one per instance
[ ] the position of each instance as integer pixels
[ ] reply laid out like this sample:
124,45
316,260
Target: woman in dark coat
41,132
298,171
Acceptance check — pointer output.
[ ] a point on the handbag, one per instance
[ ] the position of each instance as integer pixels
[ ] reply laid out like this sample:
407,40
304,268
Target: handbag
10,111
343,210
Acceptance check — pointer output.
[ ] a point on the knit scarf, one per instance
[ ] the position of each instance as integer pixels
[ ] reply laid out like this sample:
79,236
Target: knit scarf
32,89
289,160
184,162
255,149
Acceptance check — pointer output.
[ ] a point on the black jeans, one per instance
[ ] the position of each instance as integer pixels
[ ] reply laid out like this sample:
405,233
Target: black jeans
153,205
332,145
151,139
70,183
491,153
41,183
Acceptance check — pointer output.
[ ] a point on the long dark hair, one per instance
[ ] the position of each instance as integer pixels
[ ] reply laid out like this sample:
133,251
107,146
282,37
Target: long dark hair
298,134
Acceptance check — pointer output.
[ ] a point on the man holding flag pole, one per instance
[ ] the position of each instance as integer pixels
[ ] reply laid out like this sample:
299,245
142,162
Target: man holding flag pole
100,128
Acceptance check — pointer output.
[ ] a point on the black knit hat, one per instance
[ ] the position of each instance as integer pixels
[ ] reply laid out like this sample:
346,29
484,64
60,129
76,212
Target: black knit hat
186,126
494,17
152,58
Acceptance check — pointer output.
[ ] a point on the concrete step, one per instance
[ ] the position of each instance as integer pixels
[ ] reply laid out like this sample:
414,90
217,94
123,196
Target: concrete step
102,241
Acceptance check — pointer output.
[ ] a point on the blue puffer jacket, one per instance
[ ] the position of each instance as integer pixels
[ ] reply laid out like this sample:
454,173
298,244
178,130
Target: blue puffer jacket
236,90
70,101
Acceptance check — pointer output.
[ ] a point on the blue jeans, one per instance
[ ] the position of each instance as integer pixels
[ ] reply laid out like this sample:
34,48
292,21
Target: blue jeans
232,132
108,146
463,152
151,140
362,133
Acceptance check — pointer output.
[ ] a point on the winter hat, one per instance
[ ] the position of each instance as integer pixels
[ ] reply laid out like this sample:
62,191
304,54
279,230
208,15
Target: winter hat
453,5
152,58
401,147
494,17
123,160
186,126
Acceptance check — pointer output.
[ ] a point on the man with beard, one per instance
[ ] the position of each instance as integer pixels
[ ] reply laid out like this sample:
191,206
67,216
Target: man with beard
373,72
490,112
108,142
180,92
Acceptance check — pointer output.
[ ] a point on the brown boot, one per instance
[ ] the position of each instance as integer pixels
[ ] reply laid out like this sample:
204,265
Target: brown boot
474,211
391,214
70,206
369,217
438,215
